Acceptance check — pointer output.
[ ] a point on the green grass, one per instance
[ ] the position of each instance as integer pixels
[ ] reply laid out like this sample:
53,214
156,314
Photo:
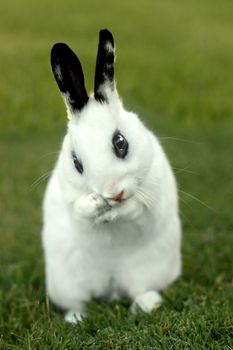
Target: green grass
174,66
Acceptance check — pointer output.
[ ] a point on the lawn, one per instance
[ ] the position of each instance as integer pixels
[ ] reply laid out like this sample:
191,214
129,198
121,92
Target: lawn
174,67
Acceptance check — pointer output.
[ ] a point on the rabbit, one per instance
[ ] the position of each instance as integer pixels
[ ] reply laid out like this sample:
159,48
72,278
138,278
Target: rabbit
111,225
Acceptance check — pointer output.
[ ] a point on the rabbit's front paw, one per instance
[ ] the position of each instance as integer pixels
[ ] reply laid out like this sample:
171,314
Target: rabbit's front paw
108,216
74,317
147,301
91,206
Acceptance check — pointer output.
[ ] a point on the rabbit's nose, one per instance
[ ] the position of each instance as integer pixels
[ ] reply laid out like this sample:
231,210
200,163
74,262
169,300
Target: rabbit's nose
118,197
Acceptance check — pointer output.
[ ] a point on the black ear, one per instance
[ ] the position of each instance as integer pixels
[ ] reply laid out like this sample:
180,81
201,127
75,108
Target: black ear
68,73
104,72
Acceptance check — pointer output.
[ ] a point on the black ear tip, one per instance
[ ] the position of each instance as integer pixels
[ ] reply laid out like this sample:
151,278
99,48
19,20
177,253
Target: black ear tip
59,48
57,51
105,35
61,53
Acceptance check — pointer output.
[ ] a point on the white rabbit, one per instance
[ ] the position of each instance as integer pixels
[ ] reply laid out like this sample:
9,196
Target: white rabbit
111,222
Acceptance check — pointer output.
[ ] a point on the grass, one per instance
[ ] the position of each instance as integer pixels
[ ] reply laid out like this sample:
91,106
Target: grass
174,64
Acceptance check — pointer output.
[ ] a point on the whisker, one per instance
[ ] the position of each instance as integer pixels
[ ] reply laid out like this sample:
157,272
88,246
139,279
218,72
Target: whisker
142,199
178,139
198,200
141,195
49,154
187,219
38,181
187,204
146,197
181,170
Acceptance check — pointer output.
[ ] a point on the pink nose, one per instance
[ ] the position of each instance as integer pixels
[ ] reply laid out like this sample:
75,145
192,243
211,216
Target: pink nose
118,197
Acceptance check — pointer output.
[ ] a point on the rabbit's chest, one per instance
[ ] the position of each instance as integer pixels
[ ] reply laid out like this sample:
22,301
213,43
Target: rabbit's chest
110,256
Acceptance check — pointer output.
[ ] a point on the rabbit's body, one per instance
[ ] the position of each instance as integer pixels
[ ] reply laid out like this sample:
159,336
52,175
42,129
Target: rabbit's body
112,228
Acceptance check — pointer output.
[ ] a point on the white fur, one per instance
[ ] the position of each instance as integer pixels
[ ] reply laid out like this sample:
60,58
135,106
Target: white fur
95,247
147,301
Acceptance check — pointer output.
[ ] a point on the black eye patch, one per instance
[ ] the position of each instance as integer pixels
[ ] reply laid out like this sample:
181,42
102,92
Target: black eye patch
120,144
77,163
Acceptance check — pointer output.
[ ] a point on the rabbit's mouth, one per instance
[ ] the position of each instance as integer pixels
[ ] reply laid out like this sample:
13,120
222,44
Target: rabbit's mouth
117,202
119,197
116,198
120,191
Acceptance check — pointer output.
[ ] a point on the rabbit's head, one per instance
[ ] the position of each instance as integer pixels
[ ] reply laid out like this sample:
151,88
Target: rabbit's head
107,150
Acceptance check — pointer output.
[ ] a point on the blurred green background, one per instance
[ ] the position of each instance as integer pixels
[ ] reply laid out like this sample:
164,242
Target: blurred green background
175,58
174,67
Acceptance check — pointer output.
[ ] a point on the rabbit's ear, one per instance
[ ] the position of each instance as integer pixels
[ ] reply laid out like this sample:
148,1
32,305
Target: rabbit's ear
104,72
68,73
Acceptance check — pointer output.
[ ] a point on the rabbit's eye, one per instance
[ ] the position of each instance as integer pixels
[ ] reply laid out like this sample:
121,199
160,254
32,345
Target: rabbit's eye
120,145
77,163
